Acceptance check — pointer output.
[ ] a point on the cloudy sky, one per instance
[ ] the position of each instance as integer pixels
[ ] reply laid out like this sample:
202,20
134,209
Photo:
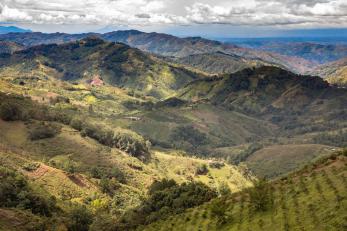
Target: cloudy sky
181,16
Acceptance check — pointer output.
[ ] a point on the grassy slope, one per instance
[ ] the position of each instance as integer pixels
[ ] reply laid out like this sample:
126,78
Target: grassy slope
277,160
17,150
311,199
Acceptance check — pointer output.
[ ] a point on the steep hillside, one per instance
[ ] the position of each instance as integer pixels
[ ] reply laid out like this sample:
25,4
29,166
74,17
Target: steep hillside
266,90
334,72
95,61
313,198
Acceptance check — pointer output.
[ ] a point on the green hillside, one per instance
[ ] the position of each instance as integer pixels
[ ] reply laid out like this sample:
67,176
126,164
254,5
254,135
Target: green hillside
313,198
219,62
95,61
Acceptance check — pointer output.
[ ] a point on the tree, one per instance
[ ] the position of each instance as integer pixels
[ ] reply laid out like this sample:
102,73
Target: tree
219,211
261,196
79,219
10,112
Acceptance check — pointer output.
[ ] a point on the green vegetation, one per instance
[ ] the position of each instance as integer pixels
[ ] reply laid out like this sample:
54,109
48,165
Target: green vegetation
167,198
101,136
15,191
313,198
43,130
338,138
10,112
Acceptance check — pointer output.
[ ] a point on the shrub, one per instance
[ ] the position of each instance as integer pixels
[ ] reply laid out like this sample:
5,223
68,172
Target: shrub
76,124
201,170
161,185
219,211
169,198
128,142
109,186
261,196
10,112
16,192
189,134
224,189
79,219
100,172
31,166
103,222
216,164
43,130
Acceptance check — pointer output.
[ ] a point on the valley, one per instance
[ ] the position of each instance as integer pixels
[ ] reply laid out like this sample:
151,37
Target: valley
145,131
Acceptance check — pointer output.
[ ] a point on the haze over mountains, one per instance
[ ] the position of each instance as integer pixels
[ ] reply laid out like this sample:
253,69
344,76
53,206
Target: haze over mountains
130,130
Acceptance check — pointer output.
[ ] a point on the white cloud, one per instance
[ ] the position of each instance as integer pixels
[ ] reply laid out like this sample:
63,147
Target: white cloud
318,13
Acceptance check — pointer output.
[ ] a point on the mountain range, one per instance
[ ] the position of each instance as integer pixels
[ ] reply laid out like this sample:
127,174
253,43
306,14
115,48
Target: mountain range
12,29
166,45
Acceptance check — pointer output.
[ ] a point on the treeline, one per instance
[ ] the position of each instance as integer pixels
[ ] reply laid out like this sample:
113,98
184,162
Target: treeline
338,139
15,107
166,198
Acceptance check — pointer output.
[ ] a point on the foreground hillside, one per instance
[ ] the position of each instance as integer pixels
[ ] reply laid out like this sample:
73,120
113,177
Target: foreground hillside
313,198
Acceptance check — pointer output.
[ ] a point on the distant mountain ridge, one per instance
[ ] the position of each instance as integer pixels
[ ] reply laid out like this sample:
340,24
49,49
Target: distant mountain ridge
12,29
166,45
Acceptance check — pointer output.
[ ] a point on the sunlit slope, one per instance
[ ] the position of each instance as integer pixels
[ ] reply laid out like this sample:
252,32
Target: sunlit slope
311,199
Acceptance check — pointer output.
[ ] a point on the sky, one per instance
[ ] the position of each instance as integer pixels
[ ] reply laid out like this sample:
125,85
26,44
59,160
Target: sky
212,18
